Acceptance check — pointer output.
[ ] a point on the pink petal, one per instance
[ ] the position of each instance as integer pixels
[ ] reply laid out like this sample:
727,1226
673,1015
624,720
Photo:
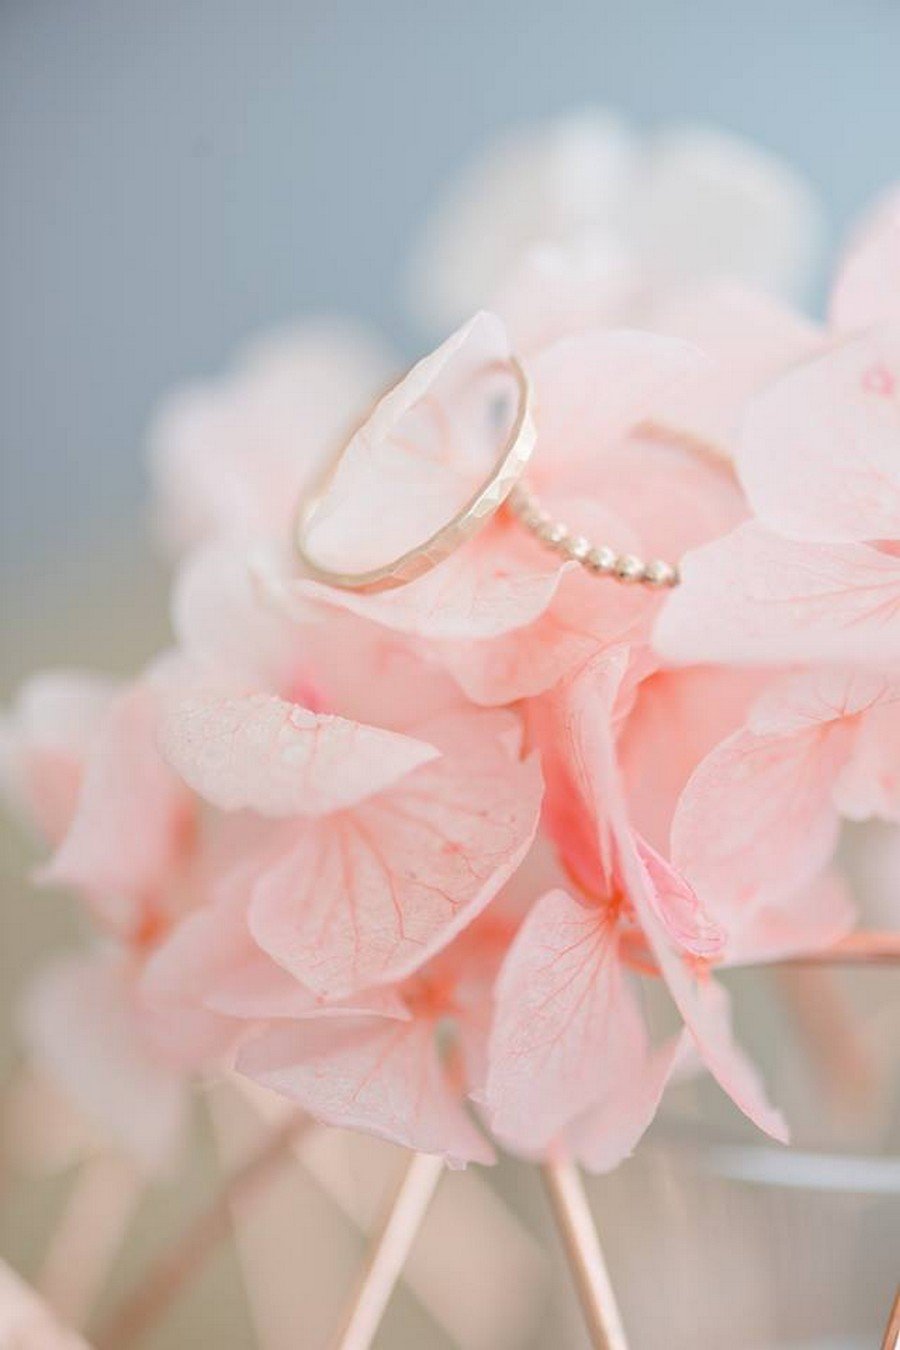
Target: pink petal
820,449
816,917
869,786
704,1004
44,741
366,896
497,582
224,625
753,338
81,1023
567,1034
706,1009
189,1039
555,726
133,825
212,948
672,496
867,290
702,704
262,990
555,290
482,733
592,389
754,597
756,821
210,960
606,1134
238,616
369,1074
420,456
651,892
604,441
799,703
585,618
238,628
688,925
268,755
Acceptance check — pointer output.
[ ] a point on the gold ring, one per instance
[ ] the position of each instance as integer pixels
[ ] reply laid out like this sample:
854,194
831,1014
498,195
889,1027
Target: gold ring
472,517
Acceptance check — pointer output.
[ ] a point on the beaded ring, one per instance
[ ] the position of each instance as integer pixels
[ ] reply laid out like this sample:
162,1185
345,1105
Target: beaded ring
601,561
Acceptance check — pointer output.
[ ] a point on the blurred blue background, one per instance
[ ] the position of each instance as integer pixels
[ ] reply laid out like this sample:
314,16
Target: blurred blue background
176,174
179,173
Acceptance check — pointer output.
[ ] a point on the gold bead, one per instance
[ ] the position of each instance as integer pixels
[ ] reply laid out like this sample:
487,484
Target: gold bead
659,574
556,536
628,568
600,560
578,548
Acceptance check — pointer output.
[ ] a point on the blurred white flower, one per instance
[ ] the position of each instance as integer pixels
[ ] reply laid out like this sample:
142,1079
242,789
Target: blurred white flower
680,206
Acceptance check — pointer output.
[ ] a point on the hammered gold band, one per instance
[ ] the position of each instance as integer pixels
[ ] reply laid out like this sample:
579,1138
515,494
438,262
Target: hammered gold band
505,486
473,516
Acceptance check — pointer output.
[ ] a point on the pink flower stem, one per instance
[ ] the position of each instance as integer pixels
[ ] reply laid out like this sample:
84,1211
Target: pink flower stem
584,1253
88,1237
863,949
892,1331
388,1253
824,1018
161,1285
822,1012
26,1321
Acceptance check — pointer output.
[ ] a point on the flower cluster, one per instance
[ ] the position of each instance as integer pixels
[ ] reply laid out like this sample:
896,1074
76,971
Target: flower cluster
411,858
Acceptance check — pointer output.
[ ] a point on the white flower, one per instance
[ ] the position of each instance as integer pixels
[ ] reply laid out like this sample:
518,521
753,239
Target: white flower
682,205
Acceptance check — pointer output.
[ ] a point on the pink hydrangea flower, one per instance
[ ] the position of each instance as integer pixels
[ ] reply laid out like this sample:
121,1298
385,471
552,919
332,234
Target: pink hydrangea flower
814,746
386,1071
385,825
83,1023
571,1056
80,761
815,576
409,857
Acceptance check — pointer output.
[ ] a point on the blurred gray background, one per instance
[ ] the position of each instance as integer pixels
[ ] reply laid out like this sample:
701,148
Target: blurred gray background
177,173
